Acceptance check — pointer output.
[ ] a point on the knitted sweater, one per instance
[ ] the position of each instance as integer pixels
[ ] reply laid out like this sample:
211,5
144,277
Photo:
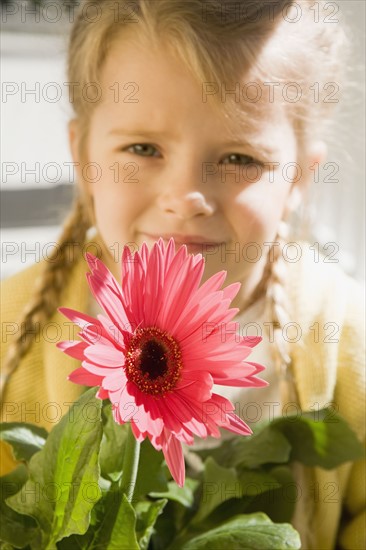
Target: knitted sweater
327,363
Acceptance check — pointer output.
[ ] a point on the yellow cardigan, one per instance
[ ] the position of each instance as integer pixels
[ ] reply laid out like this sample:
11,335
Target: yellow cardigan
327,367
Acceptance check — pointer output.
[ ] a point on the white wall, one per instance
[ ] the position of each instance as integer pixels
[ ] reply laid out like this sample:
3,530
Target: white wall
34,123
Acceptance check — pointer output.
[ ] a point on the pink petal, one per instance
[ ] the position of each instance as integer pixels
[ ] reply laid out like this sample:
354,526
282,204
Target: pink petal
147,414
169,254
102,394
237,426
138,435
218,369
248,380
212,284
109,302
171,421
228,420
245,382
78,318
188,414
127,406
115,381
102,371
85,378
195,385
153,287
74,348
173,454
117,336
133,278
106,356
201,316
252,341
174,280
100,270
231,291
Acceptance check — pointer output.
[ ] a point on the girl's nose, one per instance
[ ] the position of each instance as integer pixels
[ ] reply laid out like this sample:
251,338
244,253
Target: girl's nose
186,200
187,205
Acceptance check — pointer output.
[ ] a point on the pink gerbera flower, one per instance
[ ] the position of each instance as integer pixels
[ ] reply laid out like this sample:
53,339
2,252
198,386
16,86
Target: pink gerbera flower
164,343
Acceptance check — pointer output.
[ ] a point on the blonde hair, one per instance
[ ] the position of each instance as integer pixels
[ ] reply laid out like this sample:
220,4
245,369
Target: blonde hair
217,45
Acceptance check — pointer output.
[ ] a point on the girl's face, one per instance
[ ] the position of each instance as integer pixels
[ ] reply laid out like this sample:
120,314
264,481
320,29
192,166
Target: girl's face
168,164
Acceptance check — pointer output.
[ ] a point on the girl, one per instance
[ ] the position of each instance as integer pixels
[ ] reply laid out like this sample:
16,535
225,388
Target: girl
203,126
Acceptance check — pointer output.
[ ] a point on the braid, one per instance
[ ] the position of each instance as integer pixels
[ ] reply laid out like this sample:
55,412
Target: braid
279,311
48,289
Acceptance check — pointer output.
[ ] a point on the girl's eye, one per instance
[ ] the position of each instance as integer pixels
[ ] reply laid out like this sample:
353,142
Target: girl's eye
237,158
143,149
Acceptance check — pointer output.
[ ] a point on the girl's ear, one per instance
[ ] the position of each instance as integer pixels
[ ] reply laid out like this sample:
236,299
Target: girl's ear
316,155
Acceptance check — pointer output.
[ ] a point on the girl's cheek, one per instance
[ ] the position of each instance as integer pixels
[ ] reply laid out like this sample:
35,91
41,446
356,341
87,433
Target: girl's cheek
259,209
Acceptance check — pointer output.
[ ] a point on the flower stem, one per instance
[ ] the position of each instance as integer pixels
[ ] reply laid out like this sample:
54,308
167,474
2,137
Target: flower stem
130,465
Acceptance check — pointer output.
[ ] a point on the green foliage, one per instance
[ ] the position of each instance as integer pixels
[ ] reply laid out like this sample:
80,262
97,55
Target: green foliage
66,491
326,442
117,529
112,446
147,514
25,439
63,477
15,528
250,532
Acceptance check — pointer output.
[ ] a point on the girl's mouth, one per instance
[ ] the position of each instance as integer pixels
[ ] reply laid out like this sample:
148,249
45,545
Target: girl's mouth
195,243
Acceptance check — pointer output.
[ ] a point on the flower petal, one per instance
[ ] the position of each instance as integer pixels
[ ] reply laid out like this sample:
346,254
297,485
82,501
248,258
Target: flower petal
106,356
108,301
173,454
74,348
85,378
101,371
196,385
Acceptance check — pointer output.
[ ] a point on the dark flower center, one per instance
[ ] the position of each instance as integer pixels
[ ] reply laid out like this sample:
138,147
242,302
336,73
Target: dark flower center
153,361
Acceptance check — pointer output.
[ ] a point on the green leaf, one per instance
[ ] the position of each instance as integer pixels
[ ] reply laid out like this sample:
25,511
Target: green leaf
184,495
279,501
16,529
255,482
219,484
326,442
75,542
63,476
151,473
265,447
147,514
168,525
123,532
116,529
247,532
222,484
112,446
252,485
12,482
25,439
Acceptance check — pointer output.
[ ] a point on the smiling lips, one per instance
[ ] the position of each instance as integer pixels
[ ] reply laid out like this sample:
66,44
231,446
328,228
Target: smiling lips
194,243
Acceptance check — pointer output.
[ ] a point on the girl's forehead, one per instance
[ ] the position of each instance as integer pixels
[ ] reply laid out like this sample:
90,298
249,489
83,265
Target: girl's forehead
154,78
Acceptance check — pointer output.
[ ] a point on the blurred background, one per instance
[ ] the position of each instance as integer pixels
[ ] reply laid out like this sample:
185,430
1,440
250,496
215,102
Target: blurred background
37,175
